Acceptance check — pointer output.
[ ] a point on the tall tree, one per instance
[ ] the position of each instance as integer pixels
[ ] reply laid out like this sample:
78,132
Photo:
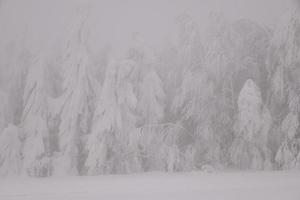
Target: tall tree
284,98
35,122
112,144
194,100
77,102
156,152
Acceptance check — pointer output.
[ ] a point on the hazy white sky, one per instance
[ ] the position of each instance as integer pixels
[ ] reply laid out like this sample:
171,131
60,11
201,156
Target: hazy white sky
44,23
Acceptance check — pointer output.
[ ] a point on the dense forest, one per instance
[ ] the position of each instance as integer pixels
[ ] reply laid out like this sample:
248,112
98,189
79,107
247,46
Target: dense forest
224,98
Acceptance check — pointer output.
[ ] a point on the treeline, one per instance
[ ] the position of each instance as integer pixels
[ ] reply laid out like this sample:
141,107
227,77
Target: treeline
225,98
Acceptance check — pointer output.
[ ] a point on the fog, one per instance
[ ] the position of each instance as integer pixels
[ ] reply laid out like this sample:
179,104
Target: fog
188,98
43,24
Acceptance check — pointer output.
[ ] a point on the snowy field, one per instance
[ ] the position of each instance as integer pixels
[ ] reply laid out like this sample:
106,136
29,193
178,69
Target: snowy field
197,185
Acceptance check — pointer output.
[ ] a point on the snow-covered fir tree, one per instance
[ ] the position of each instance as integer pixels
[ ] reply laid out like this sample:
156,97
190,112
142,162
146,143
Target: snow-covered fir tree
156,153
199,97
157,145
76,102
112,145
283,62
249,148
35,122
188,75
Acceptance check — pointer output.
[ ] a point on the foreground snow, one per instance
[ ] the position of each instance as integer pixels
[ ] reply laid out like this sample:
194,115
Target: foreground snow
231,185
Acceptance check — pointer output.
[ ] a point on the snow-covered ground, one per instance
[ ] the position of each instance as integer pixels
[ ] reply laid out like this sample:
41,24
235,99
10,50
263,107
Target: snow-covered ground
197,185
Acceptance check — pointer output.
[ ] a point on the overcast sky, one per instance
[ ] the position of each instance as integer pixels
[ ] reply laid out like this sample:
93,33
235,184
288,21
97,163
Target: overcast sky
44,23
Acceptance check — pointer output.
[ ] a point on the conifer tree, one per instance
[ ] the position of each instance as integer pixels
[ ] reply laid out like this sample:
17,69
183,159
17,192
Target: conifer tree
112,145
249,148
35,122
283,62
76,102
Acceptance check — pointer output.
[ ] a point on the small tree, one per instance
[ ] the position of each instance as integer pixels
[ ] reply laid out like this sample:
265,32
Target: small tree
249,148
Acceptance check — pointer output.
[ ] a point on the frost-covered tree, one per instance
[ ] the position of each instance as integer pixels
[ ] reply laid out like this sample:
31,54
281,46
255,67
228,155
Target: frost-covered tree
195,105
112,145
76,102
283,67
35,122
190,80
199,103
10,151
249,148
158,149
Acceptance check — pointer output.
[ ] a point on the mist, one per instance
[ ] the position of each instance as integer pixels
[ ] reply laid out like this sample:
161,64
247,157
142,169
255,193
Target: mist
149,99
44,24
